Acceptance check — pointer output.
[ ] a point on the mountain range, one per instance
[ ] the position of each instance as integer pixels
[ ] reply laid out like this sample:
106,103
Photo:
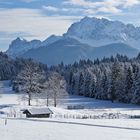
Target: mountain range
89,38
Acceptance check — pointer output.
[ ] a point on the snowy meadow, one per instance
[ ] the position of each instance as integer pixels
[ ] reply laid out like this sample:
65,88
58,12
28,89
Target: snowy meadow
64,124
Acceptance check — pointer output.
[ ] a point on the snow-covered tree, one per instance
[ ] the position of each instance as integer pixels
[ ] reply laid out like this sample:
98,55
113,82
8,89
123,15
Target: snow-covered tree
56,86
92,87
81,84
115,79
73,85
29,80
104,86
70,82
128,85
46,91
136,94
135,90
87,84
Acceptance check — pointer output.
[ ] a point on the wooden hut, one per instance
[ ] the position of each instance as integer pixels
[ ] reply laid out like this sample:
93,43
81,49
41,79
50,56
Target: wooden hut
38,113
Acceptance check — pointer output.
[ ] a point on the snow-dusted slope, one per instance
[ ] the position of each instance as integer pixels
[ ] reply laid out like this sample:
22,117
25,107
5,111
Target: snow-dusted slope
70,50
50,40
20,46
98,32
113,50
67,50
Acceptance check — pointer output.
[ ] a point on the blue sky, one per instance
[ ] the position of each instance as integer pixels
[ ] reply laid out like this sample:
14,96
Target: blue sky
38,19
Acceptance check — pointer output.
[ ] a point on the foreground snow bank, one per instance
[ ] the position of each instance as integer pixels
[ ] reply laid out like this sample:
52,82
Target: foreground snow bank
52,130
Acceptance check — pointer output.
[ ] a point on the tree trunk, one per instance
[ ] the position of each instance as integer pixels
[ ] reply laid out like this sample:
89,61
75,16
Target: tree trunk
29,99
47,101
55,100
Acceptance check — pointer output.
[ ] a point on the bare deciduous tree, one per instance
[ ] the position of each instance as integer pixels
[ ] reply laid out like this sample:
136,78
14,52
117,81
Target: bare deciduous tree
47,91
29,80
56,87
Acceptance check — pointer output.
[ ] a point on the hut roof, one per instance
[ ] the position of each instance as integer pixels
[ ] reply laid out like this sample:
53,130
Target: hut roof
35,111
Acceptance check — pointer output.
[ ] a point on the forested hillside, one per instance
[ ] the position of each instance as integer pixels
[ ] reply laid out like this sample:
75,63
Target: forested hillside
9,68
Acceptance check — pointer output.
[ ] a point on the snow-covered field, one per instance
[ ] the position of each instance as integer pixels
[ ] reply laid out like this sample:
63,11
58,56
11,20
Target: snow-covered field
45,130
67,128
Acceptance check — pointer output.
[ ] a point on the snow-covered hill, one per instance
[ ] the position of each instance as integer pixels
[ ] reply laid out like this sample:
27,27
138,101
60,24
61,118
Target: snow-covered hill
70,50
98,32
113,49
67,50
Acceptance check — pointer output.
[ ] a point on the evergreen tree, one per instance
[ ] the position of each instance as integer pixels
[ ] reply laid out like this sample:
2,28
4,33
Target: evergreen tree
92,87
115,79
73,85
81,84
104,86
87,84
136,94
128,85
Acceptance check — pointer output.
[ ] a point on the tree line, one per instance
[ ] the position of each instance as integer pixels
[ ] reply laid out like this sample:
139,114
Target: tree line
115,78
32,79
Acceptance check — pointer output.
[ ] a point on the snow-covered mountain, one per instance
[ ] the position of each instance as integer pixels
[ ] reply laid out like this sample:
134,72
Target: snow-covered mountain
20,46
98,32
89,38
70,50
50,40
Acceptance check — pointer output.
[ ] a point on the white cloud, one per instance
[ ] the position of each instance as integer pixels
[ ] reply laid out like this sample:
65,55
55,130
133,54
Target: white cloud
83,3
90,4
109,9
32,22
89,11
130,3
50,8
121,3
55,9
106,6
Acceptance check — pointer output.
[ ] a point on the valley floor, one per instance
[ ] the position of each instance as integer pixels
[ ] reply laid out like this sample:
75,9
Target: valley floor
62,128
